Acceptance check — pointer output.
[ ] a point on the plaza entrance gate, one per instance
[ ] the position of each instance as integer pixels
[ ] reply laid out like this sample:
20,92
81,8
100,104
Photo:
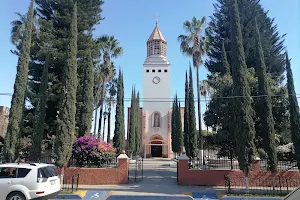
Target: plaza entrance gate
135,171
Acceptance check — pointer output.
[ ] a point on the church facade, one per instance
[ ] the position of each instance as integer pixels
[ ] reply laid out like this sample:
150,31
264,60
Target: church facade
155,114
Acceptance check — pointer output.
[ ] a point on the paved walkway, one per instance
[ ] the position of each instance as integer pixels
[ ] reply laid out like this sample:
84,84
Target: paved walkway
160,177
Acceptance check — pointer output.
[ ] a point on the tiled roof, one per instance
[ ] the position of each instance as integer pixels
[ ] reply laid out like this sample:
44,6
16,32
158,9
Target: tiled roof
156,35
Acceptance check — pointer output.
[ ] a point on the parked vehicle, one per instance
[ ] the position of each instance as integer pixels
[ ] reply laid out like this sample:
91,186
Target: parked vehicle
24,181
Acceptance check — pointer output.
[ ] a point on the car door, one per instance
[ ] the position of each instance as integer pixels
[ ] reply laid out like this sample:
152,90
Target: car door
7,178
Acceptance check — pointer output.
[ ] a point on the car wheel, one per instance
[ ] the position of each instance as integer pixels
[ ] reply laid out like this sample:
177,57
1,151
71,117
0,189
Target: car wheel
16,196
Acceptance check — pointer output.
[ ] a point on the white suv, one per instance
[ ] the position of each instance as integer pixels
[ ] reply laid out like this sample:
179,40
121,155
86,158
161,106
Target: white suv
23,181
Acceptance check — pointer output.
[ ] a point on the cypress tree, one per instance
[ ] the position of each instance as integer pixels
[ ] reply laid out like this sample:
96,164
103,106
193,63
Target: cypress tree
266,117
193,136
20,87
67,110
179,133
244,132
87,106
132,125
294,110
273,46
119,133
137,125
225,67
174,126
40,114
186,117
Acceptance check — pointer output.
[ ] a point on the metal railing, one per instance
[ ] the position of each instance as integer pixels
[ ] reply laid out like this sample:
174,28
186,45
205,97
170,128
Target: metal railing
214,164
106,161
260,185
70,183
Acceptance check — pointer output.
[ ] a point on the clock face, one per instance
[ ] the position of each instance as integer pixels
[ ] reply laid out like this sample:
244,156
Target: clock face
156,80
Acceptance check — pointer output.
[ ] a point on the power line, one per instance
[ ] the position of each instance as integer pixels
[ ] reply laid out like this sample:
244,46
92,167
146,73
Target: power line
202,100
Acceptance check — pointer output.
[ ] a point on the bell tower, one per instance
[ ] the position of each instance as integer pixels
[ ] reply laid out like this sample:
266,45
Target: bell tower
156,97
156,44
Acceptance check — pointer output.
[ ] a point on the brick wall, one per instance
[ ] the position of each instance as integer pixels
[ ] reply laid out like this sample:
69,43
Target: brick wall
257,177
101,176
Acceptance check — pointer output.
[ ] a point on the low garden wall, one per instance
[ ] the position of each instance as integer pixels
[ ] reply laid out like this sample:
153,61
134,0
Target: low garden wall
101,176
257,177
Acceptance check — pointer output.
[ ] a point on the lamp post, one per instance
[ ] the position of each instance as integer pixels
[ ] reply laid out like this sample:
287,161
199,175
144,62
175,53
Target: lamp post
108,123
105,116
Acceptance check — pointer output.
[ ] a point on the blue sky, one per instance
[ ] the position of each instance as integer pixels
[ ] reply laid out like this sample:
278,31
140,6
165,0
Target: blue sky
132,23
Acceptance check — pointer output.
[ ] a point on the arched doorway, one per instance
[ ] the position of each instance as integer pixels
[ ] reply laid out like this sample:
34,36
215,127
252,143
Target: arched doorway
156,149
156,146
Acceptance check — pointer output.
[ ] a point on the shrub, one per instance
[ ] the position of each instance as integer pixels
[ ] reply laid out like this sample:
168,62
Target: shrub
88,151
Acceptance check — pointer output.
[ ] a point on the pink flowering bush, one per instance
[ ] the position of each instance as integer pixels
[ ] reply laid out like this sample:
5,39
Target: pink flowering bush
88,151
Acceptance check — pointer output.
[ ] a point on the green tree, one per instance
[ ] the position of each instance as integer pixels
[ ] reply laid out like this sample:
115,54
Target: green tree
138,127
195,45
109,48
119,133
193,136
173,125
186,117
112,91
294,110
244,132
44,36
266,104
88,100
273,46
132,124
66,119
20,87
179,133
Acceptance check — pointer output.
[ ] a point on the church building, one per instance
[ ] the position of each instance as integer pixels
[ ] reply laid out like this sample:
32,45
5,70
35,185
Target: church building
155,114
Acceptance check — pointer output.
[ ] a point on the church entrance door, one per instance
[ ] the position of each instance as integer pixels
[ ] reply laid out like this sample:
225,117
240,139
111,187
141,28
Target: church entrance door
156,151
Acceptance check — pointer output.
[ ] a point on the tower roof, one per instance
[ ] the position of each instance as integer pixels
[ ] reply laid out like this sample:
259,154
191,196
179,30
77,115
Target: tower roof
156,35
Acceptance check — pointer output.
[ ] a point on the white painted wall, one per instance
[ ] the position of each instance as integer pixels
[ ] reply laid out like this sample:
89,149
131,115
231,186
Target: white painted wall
157,96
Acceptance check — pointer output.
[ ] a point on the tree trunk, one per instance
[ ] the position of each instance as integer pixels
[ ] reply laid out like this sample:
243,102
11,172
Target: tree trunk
199,119
103,130
99,122
108,128
95,122
101,109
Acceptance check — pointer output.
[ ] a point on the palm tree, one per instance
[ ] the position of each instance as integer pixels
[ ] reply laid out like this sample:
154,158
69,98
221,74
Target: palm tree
109,48
194,45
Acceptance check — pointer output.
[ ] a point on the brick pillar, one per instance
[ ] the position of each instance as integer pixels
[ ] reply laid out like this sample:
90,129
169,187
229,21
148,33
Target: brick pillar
123,165
183,169
256,165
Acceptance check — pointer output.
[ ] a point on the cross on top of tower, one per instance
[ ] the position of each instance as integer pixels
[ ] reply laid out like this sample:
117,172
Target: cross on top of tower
156,17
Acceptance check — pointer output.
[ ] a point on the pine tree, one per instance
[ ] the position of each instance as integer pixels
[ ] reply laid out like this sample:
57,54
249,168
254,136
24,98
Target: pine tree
40,114
186,117
193,135
244,132
179,133
119,133
86,113
20,87
266,115
137,127
132,124
273,46
67,110
294,110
